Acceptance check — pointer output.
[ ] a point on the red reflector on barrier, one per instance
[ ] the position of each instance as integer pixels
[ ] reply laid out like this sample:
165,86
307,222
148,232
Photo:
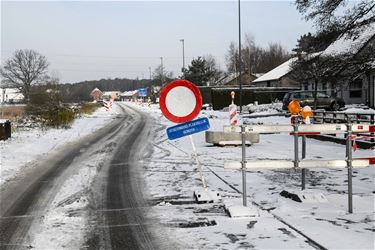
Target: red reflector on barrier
372,128
370,159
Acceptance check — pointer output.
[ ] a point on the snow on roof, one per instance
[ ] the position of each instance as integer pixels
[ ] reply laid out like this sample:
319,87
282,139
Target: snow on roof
129,93
258,74
346,44
227,78
277,72
94,90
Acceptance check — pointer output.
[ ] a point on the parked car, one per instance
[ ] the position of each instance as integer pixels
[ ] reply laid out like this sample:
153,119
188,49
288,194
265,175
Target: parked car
306,98
206,106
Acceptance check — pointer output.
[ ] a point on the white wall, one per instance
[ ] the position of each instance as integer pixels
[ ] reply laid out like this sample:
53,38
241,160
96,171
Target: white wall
10,94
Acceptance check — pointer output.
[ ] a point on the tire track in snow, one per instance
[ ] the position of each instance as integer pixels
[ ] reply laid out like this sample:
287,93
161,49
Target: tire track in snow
39,186
309,240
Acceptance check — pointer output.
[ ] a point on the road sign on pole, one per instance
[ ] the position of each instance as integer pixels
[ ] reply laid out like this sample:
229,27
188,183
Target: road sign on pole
180,101
188,128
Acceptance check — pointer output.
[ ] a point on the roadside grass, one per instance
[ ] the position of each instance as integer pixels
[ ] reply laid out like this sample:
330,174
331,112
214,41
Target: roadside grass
56,116
64,116
88,108
12,112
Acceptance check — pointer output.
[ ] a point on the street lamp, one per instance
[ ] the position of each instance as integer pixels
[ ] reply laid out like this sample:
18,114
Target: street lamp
162,71
183,54
239,53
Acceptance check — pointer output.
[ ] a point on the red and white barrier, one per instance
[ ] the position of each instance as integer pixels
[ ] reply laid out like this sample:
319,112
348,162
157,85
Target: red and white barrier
283,164
106,105
149,102
304,129
233,115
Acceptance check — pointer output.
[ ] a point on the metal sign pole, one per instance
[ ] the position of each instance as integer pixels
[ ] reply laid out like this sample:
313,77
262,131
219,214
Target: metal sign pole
295,128
243,163
198,162
303,186
349,159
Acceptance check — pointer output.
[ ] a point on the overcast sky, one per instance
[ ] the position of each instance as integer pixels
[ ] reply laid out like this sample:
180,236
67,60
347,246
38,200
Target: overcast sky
94,40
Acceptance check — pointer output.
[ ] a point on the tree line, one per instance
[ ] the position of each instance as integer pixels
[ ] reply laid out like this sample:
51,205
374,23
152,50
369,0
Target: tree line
27,68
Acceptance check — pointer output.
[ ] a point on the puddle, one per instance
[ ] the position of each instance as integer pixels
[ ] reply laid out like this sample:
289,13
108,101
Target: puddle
191,224
286,231
216,209
235,237
251,224
172,200
288,195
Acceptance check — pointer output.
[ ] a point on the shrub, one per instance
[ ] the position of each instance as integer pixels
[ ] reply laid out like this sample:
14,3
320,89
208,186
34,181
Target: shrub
88,108
47,107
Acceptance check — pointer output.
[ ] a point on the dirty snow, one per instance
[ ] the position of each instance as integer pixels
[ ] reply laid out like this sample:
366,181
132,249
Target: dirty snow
28,144
171,176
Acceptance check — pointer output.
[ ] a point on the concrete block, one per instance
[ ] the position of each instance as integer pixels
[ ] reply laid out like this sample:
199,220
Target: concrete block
215,137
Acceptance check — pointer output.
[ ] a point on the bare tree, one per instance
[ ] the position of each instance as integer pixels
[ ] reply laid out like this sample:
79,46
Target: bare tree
338,15
255,59
161,75
24,69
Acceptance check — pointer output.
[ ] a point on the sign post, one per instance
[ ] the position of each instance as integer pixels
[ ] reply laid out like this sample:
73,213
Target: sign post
349,159
180,102
243,163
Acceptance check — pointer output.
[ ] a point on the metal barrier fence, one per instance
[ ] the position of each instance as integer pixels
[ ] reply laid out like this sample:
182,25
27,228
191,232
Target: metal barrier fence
320,117
349,129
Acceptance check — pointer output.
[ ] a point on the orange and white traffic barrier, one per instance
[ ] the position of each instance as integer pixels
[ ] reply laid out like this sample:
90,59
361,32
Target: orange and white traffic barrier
233,116
106,105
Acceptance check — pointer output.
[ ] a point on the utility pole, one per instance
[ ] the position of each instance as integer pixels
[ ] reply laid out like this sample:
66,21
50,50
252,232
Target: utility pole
243,162
183,54
239,53
162,71
149,68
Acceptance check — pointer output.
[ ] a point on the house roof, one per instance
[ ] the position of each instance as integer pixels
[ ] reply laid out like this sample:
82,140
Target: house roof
230,77
350,45
129,93
277,72
95,90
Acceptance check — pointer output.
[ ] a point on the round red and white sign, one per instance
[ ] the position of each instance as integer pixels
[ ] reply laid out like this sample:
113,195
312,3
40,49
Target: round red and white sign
180,101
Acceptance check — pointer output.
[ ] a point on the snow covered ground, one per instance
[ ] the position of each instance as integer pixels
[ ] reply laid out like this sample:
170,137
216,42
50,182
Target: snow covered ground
26,145
171,176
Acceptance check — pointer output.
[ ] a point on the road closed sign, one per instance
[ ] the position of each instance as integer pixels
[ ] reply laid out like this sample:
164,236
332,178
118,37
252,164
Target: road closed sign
180,101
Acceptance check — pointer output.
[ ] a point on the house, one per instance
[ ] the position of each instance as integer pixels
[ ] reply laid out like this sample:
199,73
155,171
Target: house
115,95
96,94
361,88
11,95
278,77
232,79
129,95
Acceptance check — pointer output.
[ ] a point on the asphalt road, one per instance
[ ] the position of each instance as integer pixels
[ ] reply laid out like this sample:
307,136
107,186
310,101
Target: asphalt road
119,203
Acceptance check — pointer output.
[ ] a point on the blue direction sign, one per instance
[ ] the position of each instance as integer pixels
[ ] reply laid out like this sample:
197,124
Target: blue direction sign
188,128
142,92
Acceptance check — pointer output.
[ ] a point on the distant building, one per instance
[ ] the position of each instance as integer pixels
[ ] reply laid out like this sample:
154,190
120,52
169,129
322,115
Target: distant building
361,89
115,95
96,94
233,79
129,95
11,95
278,77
